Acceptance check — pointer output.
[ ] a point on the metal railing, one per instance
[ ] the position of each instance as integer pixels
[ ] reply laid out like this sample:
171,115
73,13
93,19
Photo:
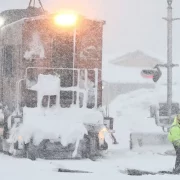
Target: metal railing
96,84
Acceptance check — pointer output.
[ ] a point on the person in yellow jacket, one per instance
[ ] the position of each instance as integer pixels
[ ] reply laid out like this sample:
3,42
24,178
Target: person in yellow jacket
174,138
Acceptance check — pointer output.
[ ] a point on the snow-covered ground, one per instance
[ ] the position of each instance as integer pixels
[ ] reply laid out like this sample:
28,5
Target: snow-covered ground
131,112
132,115
107,168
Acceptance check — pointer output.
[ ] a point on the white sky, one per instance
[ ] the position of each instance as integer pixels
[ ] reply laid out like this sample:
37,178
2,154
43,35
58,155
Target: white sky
130,24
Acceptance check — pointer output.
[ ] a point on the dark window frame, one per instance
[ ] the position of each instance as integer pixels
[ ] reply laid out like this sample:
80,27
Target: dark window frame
8,60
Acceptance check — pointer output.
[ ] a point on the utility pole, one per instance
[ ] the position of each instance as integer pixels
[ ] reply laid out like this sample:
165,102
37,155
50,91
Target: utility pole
169,64
169,58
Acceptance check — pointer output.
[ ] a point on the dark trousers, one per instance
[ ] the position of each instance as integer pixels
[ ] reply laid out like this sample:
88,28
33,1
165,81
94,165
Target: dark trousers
177,163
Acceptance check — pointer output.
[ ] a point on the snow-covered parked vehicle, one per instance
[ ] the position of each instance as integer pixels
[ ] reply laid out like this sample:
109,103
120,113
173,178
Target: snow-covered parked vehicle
51,86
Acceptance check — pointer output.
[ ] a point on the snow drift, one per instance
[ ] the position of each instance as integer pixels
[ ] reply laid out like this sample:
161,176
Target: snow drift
64,125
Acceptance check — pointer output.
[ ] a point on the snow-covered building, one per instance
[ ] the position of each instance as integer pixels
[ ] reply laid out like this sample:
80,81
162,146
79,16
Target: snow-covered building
123,74
136,59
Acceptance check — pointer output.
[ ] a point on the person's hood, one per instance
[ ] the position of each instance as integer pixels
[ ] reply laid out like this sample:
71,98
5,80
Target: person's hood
175,123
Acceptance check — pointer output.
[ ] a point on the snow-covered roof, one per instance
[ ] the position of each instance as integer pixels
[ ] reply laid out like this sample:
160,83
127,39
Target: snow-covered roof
136,59
21,21
13,15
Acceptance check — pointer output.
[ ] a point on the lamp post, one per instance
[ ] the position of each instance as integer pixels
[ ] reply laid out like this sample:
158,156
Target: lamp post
169,57
169,64
74,57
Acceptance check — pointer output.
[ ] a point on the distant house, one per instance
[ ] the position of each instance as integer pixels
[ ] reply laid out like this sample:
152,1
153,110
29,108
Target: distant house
136,59
123,74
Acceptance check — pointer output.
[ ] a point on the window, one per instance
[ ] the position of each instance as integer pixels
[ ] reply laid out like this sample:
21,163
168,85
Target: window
49,101
8,60
52,101
45,101
30,98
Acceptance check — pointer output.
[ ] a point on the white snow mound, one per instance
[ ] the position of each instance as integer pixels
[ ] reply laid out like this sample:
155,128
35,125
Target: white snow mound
64,125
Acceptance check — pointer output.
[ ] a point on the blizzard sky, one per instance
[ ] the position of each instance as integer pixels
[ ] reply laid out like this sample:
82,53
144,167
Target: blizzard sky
130,24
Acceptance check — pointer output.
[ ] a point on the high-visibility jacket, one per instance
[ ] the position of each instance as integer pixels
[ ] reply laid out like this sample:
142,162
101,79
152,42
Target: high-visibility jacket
174,133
